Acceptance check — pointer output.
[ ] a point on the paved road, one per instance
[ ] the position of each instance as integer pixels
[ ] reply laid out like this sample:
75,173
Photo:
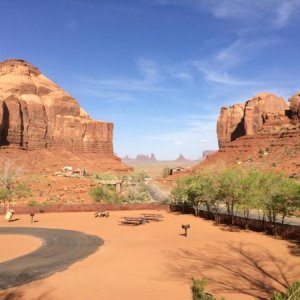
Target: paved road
60,249
155,193
255,216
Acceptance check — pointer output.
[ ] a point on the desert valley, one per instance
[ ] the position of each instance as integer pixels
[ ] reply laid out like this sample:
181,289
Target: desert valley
146,205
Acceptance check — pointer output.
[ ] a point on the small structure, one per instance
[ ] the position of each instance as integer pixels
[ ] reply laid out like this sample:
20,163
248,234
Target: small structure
177,170
116,183
32,217
67,169
69,172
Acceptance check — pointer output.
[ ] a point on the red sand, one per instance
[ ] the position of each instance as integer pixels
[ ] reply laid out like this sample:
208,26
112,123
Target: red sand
154,261
14,245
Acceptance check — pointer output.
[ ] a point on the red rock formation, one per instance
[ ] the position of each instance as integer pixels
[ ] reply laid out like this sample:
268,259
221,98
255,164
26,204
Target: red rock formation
264,132
230,123
265,110
295,106
35,113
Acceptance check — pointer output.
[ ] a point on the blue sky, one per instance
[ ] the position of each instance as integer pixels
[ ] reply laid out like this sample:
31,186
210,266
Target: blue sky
158,69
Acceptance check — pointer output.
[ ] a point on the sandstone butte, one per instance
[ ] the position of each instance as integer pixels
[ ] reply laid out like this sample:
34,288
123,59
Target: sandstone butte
41,123
263,132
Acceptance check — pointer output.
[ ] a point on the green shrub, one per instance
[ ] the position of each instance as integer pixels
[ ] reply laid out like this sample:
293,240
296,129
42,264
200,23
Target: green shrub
106,194
292,293
198,286
32,203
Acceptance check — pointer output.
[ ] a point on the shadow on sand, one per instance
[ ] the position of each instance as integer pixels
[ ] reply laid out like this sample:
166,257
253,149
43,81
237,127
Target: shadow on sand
19,295
233,268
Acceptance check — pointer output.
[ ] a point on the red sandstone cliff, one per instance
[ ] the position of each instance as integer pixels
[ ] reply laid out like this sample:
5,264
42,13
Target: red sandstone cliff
36,114
263,132
263,111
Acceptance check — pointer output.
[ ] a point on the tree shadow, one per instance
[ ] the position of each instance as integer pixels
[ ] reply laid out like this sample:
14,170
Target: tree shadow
241,268
19,295
294,247
228,228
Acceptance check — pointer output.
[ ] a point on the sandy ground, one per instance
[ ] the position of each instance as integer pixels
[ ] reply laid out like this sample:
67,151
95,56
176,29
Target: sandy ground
15,245
155,261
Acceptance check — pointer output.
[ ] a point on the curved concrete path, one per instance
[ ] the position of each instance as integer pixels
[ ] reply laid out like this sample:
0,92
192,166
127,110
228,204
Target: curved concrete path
60,249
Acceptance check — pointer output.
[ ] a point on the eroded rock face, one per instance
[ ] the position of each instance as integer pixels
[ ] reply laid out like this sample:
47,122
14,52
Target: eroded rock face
35,113
230,123
263,111
295,106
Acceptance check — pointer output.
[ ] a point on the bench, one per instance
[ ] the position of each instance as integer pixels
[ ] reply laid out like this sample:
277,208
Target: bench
133,221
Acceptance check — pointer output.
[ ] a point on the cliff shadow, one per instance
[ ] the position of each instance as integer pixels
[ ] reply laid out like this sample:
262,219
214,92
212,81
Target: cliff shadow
239,131
4,127
233,268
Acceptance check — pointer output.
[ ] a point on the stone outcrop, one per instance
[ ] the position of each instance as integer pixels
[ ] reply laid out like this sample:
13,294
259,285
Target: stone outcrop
265,111
35,113
295,106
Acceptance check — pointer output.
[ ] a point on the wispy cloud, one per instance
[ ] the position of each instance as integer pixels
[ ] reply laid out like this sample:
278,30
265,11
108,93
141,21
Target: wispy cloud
151,77
274,13
197,128
218,76
216,68
148,78
242,50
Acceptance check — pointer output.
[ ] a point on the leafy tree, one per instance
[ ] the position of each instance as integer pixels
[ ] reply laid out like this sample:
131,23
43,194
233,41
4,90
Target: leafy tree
231,190
281,197
273,195
250,195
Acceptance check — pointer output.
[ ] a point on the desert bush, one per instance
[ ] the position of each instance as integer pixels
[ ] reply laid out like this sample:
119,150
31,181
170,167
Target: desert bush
198,290
105,176
105,194
137,194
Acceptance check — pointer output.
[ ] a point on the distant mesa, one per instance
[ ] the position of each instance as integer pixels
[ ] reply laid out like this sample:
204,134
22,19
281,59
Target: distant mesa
152,158
181,158
35,114
140,158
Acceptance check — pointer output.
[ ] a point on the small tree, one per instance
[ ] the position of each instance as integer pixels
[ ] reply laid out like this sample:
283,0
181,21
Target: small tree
231,190
8,176
281,197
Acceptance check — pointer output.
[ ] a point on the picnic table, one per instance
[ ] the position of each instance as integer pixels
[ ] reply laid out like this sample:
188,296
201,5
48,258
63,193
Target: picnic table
152,217
133,220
